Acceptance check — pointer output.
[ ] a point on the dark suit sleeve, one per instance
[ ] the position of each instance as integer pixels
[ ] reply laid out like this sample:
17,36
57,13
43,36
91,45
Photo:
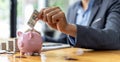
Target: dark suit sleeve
106,38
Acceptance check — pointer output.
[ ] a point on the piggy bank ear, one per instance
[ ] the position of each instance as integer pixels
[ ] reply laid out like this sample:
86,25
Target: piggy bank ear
30,35
19,33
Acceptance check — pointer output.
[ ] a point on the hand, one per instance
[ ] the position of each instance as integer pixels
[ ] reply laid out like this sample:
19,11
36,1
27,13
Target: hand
54,17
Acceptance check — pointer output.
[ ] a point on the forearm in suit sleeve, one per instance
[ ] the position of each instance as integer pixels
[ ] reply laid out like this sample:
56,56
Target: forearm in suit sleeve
106,38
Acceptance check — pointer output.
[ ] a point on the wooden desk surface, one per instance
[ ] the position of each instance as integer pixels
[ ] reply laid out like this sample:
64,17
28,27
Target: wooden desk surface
59,56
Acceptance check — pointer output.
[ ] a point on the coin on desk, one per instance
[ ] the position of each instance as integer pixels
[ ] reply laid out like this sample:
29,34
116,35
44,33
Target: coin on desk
70,58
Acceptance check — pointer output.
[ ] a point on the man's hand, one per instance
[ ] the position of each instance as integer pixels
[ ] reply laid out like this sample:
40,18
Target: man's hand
55,18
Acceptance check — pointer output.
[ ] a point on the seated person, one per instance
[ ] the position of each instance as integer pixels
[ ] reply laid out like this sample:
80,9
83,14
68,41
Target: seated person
92,24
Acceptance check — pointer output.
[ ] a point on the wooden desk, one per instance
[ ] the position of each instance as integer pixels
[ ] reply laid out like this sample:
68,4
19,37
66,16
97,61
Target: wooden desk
59,56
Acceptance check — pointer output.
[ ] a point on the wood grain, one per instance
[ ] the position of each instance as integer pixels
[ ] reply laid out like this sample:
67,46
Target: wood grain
60,54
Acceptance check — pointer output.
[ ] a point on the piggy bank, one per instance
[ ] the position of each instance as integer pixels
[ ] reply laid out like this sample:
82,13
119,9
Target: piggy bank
29,42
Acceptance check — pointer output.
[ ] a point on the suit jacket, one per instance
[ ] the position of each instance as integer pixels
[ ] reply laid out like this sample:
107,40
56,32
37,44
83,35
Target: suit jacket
103,30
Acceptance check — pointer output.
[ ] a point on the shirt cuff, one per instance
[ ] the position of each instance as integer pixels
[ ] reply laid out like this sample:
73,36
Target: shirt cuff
72,40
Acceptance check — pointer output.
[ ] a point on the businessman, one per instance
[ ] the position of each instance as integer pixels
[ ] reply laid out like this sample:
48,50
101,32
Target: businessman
93,24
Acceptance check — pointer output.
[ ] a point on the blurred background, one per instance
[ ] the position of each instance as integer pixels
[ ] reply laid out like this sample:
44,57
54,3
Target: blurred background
14,15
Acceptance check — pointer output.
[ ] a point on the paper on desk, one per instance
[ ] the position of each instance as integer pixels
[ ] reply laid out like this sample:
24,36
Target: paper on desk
52,46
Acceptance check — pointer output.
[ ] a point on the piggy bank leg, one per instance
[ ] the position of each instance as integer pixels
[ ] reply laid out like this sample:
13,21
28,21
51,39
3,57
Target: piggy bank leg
29,53
36,53
22,53
39,51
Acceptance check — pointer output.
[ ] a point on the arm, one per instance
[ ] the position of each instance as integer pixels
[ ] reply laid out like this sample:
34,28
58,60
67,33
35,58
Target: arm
55,18
87,37
97,38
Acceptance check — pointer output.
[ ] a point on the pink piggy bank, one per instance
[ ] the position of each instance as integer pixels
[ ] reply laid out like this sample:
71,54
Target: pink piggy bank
29,42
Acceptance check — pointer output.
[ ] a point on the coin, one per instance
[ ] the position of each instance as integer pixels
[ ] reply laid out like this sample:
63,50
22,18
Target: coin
70,58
